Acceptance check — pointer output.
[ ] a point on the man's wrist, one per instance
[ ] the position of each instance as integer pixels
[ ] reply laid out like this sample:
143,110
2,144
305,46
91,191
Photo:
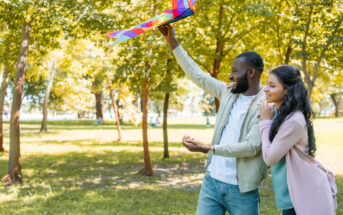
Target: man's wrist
212,148
173,43
208,148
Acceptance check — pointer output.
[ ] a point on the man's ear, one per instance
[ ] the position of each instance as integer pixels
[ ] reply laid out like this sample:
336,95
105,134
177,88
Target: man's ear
252,73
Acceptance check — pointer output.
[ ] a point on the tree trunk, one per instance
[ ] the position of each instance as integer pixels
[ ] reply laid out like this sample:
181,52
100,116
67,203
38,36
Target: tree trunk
289,46
214,74
288,55
121,121
44,126
145,102
219,50
115,115
165,112
306,73
217,103
310,85
81,114
4,85
145,99
165,126
99,99
336,103
14,163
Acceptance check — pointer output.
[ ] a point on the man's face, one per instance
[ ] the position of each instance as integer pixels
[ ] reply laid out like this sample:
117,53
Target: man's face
239,74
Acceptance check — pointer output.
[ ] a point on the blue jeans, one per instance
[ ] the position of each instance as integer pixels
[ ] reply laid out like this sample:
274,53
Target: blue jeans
289,212
217,197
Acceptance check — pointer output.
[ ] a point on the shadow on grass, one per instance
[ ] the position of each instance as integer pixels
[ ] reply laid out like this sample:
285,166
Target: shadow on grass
102,143
90,124
105,168
104,201
123,127
107,182
104,182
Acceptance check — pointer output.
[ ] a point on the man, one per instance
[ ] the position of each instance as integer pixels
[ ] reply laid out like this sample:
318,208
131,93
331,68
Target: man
235,166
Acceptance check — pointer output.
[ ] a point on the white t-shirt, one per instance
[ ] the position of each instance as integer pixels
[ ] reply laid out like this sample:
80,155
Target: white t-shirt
224,168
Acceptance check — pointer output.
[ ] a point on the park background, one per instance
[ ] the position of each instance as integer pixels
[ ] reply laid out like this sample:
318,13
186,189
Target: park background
87,141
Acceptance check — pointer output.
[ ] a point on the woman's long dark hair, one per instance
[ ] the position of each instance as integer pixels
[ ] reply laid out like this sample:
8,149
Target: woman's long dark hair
295,100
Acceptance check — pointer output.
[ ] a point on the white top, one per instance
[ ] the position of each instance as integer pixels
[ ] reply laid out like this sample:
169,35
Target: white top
224,168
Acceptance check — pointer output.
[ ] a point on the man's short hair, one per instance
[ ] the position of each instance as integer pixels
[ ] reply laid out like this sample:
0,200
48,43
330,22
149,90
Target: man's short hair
253,59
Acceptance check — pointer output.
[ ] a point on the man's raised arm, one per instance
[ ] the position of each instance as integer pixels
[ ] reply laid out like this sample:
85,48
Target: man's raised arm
194,72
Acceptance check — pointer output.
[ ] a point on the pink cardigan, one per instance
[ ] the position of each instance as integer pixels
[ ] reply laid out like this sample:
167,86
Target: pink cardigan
311,187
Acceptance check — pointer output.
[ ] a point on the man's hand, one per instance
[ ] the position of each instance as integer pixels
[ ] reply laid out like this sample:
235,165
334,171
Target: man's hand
168,33
231,85
195,145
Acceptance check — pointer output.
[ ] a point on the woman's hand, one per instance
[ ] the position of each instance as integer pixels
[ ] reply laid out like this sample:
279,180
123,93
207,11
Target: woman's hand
194,145
168,33
266,111
231,85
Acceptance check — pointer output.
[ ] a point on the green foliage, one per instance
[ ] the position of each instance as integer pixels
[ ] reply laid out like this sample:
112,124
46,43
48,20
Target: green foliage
207,104
307,34
219,31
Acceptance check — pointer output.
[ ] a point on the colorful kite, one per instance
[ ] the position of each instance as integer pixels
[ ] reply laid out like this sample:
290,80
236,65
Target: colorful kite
181,9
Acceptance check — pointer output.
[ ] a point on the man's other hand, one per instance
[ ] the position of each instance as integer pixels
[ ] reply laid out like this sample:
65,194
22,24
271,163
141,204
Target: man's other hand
194,145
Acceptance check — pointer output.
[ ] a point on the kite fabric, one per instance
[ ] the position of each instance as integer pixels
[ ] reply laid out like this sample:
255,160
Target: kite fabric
180,10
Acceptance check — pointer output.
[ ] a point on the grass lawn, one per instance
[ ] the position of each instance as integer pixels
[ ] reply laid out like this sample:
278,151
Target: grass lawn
78,168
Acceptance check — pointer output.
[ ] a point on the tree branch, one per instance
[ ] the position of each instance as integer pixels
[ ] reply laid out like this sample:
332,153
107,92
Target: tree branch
328,43
229,25
304,60
220,20
201,64
235,41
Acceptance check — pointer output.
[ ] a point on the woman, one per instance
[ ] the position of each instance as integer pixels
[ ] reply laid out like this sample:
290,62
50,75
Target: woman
301,184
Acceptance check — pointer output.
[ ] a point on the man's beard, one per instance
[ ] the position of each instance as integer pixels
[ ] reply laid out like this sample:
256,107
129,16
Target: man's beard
241,86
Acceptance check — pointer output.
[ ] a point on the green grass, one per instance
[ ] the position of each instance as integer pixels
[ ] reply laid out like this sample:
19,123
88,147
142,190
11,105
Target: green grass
78,168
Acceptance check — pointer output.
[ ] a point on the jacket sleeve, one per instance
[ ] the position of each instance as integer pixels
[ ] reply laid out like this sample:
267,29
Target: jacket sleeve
287,136
199,77
248,147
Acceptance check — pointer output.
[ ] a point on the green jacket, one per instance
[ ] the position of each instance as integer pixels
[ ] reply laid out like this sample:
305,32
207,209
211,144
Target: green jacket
251,169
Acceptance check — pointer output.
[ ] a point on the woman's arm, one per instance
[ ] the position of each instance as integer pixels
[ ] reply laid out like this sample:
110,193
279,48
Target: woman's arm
289,134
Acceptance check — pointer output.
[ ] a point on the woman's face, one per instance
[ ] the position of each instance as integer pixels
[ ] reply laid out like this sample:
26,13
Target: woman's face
275,92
